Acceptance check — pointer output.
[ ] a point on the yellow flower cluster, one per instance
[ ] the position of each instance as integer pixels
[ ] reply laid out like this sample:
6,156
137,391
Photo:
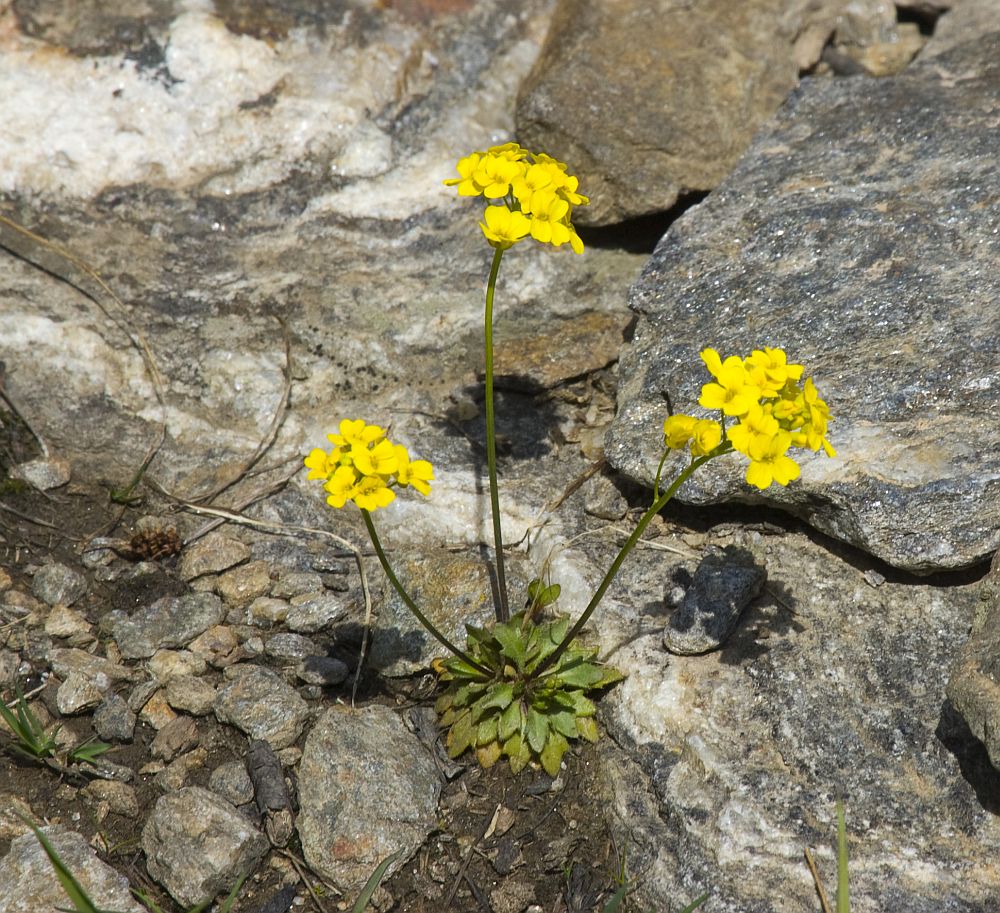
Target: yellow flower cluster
532,193
364,467
772,411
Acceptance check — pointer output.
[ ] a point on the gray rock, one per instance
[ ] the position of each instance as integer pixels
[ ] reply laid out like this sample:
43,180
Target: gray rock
242,585
113,721
190,693
173,621
120,797
723,585
28,883
865,246
266,611
65,622
260,703
178,737
604,500
291,647
734,758
295,583
974,685
197,844
66,662
211,554
309,614
367,788
10,663
231,781
81,692
56,583
685,86
43,474
322,670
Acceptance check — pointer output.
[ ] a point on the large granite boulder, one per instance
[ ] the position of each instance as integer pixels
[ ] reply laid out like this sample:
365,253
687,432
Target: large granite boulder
859,233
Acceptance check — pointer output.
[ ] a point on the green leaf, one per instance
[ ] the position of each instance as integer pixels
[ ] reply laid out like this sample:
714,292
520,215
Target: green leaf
461,669
542,596
551,756
87,752
373,882
564,723
511,721
488,755
444,702
460,735
612,905
537,730
582,706
519,753
583,675
587,728
486,731
497,696
513,643
545,638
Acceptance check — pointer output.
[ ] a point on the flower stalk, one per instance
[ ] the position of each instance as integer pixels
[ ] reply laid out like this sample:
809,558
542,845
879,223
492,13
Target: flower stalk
408,601
502,607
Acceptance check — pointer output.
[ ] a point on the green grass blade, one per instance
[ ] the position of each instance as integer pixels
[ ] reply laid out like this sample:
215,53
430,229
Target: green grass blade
695,903
843,900
373,882
612,905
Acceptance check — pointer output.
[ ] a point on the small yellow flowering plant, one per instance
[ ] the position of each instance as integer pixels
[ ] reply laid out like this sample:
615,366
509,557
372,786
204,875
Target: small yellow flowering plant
519,688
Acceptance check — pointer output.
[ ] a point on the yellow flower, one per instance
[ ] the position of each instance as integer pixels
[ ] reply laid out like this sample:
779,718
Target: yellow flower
678,430
769,371
340,486
769,463
371,493
525,188
356,433
418,473
756,423
466,168
706,436
733,393
319,465
546,224
380,460
504,228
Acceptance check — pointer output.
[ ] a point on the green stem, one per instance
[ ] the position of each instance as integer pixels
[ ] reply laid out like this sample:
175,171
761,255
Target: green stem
502,609
410,604
640,528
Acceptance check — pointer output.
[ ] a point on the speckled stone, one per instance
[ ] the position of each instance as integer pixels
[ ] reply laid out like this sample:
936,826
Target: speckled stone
859,234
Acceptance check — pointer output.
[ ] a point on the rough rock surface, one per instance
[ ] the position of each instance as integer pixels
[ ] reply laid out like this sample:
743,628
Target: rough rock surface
367,789
713,73
728,764
261,704
28,885
859,234
974,686
197,844
168,622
